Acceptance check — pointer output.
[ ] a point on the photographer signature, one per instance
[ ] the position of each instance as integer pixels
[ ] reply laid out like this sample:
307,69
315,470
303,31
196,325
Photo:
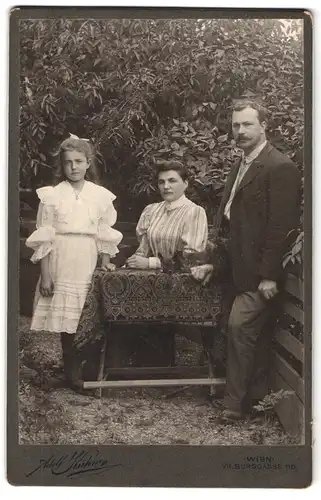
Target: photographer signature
74,464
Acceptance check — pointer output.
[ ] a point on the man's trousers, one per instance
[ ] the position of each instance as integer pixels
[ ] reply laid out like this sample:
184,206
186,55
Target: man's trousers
249,338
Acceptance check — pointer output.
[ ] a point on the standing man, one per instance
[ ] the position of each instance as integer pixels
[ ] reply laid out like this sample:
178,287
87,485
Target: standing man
261,206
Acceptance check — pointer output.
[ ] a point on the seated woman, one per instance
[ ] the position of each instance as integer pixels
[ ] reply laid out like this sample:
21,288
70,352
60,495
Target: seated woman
174,226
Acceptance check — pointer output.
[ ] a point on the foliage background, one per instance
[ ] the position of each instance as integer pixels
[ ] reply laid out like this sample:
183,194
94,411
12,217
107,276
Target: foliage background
148,89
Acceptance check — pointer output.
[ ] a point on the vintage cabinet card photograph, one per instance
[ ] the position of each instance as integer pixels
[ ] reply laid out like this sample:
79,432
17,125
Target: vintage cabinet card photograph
159,273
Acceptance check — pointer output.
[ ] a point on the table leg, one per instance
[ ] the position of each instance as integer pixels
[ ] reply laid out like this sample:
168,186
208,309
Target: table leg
211,372
102,357
211,365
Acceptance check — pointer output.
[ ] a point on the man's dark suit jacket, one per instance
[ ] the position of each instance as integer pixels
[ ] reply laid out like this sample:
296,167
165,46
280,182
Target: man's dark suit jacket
265,213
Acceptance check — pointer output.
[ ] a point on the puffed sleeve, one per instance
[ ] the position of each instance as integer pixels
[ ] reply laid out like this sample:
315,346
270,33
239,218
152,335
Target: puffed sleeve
195,230
141,231
107,237
42,239
144,249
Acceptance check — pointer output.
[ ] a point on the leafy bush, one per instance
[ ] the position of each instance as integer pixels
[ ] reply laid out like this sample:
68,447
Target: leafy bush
295,254
268,403
145,89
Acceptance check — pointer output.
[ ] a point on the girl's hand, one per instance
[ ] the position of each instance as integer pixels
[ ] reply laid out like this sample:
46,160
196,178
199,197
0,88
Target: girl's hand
106,265
137,262
46,286
109,267
202,273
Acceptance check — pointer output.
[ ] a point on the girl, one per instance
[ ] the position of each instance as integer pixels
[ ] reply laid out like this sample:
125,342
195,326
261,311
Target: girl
73,226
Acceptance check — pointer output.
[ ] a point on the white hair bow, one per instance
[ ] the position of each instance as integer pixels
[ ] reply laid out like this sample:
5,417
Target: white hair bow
73,136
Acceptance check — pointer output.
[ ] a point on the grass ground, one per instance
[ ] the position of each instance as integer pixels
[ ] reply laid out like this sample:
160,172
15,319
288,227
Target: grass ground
141,416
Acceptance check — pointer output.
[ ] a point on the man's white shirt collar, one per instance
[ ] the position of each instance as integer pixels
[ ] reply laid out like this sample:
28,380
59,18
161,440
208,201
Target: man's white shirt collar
254,154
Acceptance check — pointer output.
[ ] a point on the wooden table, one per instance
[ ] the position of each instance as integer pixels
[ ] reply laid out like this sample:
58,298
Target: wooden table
147,297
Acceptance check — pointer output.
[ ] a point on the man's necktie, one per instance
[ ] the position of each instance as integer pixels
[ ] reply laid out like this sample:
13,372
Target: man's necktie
241,173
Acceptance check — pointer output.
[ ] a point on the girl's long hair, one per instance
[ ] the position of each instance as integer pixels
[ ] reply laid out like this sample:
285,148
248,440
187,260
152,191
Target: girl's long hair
82,146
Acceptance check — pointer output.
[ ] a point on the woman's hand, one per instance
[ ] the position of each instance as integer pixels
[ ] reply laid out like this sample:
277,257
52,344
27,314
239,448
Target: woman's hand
46,286
137,262
202,273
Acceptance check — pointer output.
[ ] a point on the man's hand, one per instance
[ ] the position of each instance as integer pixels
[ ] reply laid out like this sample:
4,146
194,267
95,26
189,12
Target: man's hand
268,289
202,273
46,286
137,262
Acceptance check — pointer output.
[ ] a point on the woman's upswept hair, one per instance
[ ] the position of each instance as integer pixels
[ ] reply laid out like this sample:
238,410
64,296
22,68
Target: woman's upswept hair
177,166
82,146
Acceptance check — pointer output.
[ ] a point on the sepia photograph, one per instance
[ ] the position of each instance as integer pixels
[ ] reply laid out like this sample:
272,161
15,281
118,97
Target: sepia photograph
163,287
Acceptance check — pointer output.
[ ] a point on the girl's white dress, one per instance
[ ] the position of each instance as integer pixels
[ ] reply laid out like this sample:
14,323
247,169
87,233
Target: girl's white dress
73,229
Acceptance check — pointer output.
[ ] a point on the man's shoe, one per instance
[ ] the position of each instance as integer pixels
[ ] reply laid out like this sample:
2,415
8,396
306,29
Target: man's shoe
229,417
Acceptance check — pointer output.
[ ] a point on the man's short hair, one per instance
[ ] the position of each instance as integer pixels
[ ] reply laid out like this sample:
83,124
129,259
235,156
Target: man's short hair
242,103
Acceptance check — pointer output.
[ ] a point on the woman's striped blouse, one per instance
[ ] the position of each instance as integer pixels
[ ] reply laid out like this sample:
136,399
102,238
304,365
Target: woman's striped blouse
165,228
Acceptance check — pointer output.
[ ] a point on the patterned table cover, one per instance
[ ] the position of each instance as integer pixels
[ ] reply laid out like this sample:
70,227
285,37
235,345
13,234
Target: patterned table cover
130,295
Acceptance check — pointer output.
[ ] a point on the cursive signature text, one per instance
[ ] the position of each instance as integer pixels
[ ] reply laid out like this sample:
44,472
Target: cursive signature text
74,464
